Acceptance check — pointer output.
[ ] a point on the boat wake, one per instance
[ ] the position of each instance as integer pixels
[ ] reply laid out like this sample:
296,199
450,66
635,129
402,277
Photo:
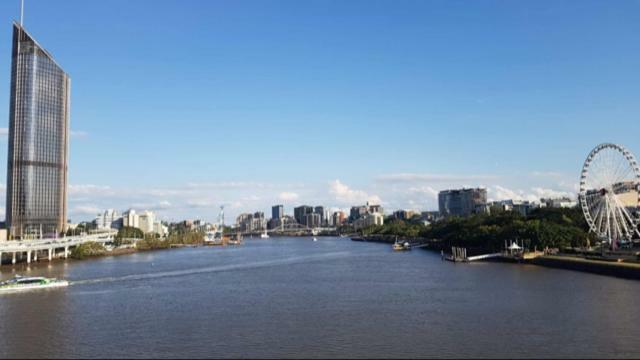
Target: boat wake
213,269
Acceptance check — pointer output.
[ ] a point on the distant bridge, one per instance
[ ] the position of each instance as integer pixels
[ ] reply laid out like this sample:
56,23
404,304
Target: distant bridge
286,229
50,248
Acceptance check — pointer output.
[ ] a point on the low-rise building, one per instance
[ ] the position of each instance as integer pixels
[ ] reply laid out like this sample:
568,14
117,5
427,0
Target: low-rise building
525,207
368,220
145,221
359,211
244,222
251,222
404,214
160,228
430,216
563,202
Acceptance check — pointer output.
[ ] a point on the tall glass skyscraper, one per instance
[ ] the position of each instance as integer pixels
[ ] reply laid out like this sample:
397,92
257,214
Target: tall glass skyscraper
38,141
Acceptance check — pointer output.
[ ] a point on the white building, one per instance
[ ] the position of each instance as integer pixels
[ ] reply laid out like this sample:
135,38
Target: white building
131,219
367,220
146,221
160,229
107,220
564,202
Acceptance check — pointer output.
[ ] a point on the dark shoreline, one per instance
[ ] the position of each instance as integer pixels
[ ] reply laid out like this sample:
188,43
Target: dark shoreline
623,270
608,268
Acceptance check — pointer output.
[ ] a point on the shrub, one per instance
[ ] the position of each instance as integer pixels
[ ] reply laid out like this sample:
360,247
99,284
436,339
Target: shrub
88,249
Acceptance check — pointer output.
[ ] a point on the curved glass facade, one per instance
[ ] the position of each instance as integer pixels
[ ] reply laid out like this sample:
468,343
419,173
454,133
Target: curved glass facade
38,141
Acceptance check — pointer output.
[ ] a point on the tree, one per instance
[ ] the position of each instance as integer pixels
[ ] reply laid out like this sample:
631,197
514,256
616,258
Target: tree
127,232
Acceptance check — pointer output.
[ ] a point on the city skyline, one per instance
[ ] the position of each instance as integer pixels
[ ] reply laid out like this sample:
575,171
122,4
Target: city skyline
240,117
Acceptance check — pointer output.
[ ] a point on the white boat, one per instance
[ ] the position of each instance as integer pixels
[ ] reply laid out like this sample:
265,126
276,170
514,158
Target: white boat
399,246
213,238
264,235
20,283
315,238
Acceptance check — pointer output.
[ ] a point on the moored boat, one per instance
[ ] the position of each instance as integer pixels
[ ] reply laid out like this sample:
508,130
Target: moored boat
400,246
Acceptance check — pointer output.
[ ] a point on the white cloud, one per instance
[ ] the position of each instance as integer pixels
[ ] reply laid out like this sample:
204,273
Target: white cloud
288,196
425,190
157,206
88,189
199,204
550,193
231,185
345,195
431,178
86,210
4,131
499,193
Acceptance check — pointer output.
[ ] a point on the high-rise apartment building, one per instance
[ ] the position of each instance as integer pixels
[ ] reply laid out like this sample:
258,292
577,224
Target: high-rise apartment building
463,202
38,141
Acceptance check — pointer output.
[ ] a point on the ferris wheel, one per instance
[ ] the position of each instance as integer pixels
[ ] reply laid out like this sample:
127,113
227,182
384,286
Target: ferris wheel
610,193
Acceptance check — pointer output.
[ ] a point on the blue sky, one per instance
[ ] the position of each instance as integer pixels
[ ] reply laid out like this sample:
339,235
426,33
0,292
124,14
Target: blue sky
181,106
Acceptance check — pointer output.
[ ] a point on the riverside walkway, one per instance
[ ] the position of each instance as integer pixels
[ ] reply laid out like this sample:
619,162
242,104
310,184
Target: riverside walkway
50,249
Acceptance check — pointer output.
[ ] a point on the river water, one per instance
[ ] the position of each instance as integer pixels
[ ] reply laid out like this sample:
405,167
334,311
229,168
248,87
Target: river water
292,297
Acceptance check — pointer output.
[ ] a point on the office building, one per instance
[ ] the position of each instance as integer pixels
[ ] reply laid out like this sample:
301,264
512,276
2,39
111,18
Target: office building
277,212
301,212
357,212
338,218
313,220
38,141
259,222
322,212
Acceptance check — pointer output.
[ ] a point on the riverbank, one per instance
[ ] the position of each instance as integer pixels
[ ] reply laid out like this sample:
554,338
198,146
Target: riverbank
610,268
45,262
621,269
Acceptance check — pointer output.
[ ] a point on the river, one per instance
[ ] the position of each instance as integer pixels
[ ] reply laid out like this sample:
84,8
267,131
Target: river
292,297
